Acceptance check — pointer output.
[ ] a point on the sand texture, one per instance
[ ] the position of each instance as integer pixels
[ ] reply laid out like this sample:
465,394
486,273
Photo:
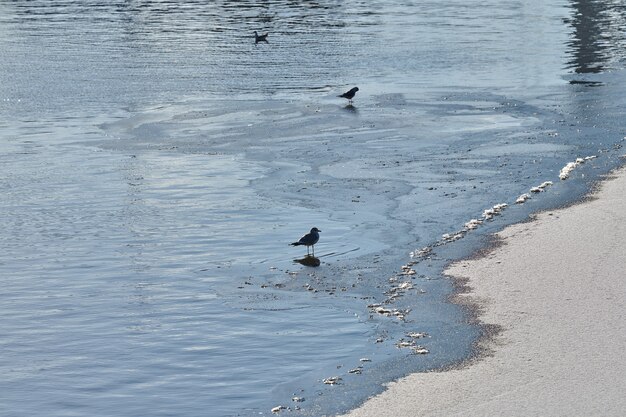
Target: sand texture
556,288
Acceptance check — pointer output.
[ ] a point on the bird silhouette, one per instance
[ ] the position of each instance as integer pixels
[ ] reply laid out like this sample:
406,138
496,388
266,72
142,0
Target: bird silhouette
349,94
310,239
260,38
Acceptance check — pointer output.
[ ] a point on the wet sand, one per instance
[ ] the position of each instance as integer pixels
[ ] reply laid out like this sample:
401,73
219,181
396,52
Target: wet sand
555,289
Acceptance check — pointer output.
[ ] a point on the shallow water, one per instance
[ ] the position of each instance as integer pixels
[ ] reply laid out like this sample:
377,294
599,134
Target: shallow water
155,163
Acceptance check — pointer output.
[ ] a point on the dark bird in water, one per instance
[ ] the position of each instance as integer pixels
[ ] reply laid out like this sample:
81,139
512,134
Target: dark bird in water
260,38
350,94
310,239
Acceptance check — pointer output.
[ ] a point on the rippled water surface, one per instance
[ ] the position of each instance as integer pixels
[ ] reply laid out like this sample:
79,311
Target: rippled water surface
155,163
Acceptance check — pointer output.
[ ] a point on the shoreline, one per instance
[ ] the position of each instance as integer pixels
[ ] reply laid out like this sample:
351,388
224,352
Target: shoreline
550,298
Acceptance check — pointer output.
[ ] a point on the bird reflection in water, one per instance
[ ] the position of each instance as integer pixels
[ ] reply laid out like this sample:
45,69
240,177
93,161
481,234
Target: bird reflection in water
350,109
308,261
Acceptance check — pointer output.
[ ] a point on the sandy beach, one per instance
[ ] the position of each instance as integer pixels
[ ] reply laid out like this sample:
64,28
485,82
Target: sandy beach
555,289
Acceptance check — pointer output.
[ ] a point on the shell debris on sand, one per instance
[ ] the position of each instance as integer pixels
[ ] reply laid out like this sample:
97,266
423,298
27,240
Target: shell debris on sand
278,409
420,350
395,291
522,198
489,213
451,237
297,399
333,380
567,169
407,270
473,224
570,166
417,335
399,290
378,308
541,187
538,189
415,348
421,253
401,287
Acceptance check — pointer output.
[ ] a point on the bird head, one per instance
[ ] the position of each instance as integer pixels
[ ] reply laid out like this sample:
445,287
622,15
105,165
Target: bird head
315,229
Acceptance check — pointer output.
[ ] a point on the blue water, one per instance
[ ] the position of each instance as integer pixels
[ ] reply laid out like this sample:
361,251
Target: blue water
155,163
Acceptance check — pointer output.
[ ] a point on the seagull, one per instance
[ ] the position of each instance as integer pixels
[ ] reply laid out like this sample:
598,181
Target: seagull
350,94
260,38
310,239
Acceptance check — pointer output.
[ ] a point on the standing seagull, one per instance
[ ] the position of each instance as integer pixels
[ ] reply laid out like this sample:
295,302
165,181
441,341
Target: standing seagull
310,239
350,94
260,38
